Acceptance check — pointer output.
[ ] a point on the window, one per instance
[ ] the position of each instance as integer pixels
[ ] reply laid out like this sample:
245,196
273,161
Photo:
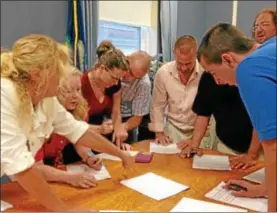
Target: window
125,37
132,27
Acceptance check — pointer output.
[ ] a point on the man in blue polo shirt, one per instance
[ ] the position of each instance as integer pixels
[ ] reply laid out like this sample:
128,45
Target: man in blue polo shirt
227,52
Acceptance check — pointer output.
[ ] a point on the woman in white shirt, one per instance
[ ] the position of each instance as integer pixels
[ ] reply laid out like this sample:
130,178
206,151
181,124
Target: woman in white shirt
30,112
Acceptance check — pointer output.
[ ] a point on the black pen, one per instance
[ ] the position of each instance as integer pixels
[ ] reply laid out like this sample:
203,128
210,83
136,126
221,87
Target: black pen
236,187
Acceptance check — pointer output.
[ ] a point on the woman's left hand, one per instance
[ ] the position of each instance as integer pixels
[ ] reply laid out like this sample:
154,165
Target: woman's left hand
120,134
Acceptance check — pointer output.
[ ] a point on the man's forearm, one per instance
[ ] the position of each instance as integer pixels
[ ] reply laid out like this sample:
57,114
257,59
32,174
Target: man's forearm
52,174
133,122
34,183
157,118
200,127
269,148
255,145
97,142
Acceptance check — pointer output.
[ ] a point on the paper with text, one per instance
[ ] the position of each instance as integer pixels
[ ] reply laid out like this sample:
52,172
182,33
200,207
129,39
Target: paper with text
115,211
257,176
211,162
154,186
169,149
5,205
192,205
98,175
224,195
111,157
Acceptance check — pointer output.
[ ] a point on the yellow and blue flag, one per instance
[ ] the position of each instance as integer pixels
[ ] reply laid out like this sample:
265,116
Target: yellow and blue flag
76,34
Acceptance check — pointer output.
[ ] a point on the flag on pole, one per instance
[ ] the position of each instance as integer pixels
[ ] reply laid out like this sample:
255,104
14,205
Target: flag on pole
76,35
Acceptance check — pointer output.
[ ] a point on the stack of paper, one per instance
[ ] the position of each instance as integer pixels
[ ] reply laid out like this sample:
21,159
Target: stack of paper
191,205
98,175
5,205
154,186
257,177
211,162
111,157
224,195
169,149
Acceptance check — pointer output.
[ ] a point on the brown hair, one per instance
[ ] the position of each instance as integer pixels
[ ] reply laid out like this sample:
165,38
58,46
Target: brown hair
114,59
29,53
104,47
220,39
185,43
270,11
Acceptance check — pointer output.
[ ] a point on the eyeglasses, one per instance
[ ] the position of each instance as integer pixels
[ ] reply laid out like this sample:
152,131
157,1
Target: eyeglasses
263,25
112,76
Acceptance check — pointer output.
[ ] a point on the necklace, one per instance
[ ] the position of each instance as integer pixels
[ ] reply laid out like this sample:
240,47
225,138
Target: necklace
99,92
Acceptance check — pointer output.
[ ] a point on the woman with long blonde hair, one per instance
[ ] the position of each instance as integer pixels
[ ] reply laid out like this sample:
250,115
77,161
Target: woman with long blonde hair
30,75
53,156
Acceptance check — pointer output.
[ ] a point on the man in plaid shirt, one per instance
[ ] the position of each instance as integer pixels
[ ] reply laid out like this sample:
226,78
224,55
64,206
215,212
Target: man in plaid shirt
136,93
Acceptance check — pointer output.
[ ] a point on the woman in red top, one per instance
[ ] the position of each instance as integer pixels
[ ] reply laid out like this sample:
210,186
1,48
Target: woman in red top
52,151
101,88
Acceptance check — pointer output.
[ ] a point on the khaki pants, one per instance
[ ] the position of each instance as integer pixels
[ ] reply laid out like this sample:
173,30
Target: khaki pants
221,147
176,135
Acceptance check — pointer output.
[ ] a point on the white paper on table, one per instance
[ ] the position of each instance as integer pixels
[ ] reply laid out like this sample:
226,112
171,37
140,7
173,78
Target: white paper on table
78,168
224,195
111,157
192,205
5,205
154,186
169,149
211,162
257,176
115,211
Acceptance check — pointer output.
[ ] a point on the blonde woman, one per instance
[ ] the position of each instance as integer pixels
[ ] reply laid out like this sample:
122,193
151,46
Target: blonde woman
52,152
30,75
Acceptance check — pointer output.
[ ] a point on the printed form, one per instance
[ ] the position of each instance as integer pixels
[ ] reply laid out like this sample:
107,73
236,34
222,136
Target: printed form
225,196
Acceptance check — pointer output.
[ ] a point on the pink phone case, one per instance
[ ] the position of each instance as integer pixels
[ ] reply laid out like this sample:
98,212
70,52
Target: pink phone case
144,157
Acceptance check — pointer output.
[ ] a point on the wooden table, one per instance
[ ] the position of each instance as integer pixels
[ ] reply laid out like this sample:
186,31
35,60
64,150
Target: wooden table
111,195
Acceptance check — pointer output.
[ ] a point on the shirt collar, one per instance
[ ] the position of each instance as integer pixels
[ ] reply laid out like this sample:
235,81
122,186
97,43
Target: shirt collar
196,71
38,115
271,40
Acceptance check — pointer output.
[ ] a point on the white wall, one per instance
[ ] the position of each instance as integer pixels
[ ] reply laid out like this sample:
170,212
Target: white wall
127,12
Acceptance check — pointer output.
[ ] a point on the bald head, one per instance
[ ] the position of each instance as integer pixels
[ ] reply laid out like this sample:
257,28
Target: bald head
139,65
